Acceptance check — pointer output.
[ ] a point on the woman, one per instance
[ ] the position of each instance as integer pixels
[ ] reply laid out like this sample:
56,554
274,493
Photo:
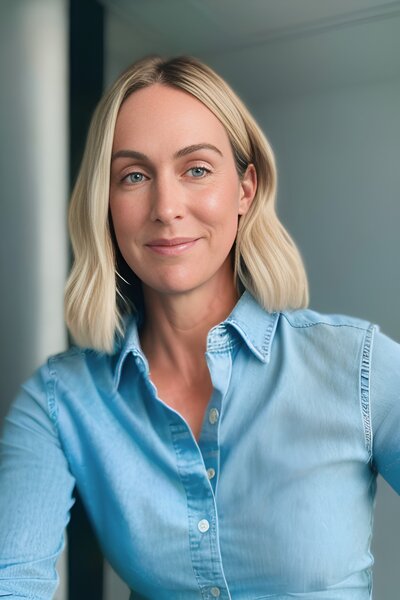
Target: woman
224,438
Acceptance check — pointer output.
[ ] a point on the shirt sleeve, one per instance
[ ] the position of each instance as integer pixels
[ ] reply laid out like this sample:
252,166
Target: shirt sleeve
35,494
385,407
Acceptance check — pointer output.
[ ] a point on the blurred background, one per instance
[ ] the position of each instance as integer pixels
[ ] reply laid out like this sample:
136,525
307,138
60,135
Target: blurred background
323,79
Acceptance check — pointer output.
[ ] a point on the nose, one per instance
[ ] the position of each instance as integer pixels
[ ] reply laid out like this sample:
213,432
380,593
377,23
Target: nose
167,202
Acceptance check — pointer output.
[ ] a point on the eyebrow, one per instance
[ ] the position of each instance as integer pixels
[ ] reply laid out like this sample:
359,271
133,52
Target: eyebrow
179,154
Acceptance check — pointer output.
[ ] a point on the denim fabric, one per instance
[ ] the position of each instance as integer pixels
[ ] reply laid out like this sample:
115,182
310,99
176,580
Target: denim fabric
275,501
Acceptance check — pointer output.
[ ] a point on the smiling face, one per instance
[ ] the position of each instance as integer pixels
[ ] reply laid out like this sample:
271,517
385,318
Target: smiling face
175,195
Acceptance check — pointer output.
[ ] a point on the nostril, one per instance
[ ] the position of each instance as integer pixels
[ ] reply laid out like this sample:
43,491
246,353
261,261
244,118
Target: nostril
164,212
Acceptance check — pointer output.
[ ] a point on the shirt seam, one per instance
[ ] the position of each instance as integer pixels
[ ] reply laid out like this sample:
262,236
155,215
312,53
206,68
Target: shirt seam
52,402
50,389
313,324
365,378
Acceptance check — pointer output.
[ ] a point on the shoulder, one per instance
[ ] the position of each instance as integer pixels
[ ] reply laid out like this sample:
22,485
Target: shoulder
80,363
357,352
78,366
349,341
337,336
74,357
368,344
384,350
42,376
35,401
72,371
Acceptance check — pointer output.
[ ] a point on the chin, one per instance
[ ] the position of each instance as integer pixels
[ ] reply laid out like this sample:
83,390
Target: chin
173,279
172,288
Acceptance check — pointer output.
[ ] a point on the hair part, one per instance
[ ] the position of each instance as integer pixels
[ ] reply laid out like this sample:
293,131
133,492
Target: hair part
266,260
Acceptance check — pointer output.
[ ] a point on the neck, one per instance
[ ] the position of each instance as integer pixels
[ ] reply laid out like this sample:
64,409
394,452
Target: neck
176,325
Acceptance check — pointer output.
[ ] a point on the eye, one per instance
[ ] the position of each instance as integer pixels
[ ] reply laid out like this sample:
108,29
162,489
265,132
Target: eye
198,172
134,177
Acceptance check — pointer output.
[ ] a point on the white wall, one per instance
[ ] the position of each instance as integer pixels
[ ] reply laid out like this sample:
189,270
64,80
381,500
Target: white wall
33,172
33,175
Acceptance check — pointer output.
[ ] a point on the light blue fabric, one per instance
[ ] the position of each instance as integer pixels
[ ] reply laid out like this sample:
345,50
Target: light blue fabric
305,411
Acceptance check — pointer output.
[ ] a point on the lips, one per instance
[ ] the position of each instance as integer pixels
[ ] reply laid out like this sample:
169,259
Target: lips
171,242
172,246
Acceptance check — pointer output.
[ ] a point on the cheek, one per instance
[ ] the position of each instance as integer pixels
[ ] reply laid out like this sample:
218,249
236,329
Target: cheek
221,205
223,220
117,211
126,218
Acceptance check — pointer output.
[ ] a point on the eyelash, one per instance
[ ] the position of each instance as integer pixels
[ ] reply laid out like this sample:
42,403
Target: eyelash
125,179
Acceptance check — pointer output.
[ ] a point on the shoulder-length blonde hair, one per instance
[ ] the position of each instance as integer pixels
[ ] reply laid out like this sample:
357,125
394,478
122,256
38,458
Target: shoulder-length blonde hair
266,260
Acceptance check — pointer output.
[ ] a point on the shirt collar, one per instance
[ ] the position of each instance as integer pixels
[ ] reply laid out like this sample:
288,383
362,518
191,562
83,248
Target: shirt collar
254,324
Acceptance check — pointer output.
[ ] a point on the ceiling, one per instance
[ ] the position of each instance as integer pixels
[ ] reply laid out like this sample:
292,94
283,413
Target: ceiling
267,49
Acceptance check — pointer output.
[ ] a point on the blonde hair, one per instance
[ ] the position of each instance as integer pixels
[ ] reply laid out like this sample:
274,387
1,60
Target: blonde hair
266,260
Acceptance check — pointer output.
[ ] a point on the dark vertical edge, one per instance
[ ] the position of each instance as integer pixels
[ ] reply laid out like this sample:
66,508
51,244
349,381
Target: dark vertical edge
86,72
86,66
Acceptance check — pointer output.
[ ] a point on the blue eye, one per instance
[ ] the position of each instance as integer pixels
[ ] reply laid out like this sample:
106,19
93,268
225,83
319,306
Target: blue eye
134,177
198,172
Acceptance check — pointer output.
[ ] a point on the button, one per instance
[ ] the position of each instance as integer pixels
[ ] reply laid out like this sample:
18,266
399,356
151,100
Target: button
210,473
213,416
203,525
215,591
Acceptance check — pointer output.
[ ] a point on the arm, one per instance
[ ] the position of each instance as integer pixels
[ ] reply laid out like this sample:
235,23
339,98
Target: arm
385,408
35,494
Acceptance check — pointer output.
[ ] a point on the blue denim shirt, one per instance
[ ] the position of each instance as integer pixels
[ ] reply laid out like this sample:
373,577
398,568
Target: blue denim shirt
274,501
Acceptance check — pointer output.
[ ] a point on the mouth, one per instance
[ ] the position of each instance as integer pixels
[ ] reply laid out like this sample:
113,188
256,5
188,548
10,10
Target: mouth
171,246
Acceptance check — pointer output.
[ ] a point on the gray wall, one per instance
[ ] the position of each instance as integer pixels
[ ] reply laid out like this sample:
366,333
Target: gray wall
339,194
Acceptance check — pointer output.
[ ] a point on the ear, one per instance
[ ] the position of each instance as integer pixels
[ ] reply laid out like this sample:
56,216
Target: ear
248,188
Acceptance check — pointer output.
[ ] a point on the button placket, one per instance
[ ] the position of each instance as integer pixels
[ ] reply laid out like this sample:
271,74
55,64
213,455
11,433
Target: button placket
203,517
220,369
204,544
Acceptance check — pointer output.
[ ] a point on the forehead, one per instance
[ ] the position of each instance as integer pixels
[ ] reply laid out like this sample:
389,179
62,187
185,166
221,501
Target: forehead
160,113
